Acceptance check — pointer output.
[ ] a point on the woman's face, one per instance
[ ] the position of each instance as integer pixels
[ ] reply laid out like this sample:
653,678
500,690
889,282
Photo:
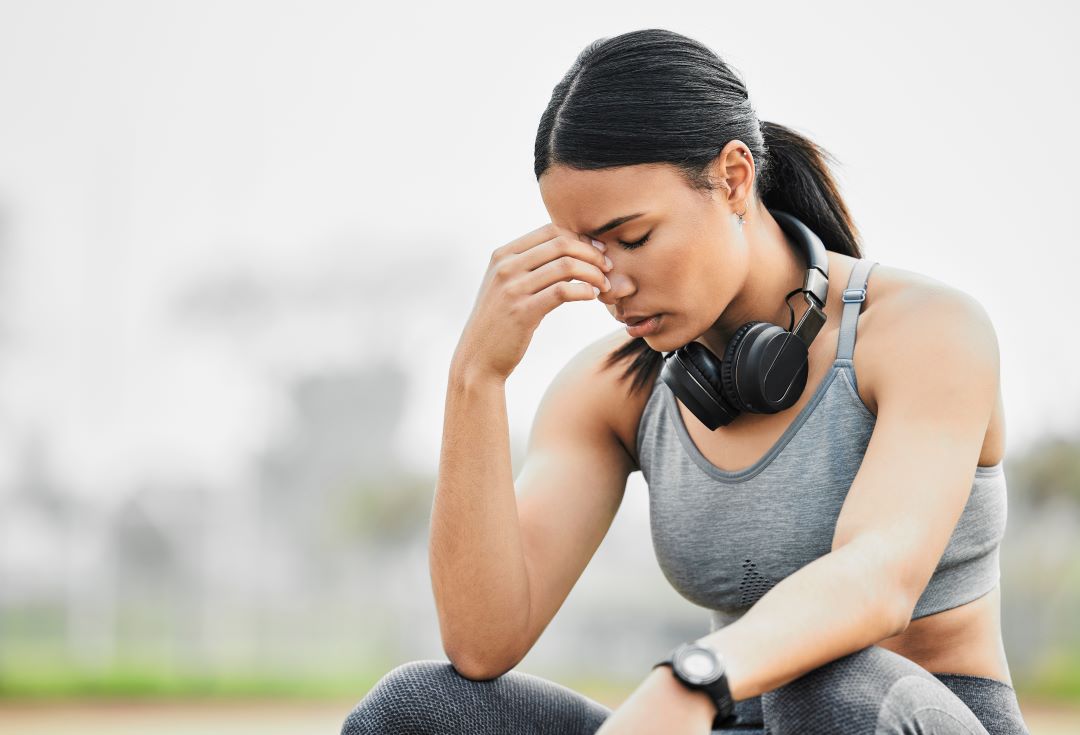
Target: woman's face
691,266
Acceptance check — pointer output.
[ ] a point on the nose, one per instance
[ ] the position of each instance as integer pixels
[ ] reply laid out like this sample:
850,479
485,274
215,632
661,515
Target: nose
621,287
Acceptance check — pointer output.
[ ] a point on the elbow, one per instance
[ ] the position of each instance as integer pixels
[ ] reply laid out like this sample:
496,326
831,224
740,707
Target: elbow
888,592
901,618
481,653
479,667
899,607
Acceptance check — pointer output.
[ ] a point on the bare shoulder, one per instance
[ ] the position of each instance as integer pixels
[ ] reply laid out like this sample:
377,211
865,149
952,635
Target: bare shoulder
594,381
910,323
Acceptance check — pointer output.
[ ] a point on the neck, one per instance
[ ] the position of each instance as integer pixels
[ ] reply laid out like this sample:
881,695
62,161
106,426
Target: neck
776,267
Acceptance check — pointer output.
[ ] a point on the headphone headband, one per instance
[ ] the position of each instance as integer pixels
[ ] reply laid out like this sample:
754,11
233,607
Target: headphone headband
813,250
816,282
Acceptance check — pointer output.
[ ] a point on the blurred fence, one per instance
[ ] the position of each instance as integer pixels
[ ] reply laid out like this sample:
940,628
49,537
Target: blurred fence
311,577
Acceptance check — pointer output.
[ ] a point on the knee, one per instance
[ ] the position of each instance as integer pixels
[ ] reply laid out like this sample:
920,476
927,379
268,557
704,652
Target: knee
408,698
915,704
845,692
849,672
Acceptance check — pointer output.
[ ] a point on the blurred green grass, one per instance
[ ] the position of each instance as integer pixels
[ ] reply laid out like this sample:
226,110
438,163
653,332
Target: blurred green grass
135,684
45,700
1057,679
45,677
46,682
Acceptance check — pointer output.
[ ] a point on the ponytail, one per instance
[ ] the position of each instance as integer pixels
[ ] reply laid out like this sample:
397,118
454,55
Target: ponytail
797,180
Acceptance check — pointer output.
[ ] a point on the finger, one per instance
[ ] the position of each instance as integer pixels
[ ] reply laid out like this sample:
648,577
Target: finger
540,235
565,268
558,293
563,246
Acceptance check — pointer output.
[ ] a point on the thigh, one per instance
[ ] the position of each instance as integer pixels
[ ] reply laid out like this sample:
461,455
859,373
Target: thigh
873,691
994,702
422,697
747,719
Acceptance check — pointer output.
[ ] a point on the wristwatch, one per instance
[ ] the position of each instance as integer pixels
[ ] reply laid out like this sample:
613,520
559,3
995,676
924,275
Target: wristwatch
699,667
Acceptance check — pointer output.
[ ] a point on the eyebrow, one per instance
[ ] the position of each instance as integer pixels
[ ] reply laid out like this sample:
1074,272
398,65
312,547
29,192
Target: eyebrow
613,224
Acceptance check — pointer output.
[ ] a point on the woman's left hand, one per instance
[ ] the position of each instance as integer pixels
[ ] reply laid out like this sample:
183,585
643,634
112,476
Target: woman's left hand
661,704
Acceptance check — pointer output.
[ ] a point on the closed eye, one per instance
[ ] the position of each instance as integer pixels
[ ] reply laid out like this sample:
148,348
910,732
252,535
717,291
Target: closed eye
637,244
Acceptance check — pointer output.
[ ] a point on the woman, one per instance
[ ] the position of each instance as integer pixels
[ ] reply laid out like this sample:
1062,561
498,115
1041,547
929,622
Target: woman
846,542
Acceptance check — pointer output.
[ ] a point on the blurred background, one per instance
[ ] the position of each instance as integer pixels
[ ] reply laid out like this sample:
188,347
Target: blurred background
238,243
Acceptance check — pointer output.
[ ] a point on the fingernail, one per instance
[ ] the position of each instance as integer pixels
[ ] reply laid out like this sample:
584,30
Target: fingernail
607,284
599,245
608,263
595,291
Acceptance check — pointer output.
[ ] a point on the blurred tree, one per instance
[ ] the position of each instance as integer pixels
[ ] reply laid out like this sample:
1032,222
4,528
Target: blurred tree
1049,470
391,510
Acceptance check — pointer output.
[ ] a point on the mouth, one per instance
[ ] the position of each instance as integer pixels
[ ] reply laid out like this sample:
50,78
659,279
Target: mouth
640,327
636,320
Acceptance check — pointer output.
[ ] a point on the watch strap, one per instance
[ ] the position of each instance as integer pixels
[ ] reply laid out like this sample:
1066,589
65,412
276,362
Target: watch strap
725,705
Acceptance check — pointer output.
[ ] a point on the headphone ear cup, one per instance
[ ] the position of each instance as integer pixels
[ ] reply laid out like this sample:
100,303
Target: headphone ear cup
691,373
727,369
701,357
765,368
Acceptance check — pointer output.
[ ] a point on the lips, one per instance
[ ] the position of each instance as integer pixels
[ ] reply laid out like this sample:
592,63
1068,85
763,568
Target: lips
632,320
644,327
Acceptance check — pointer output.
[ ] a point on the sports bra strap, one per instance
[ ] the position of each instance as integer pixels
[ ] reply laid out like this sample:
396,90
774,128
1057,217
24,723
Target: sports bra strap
854,295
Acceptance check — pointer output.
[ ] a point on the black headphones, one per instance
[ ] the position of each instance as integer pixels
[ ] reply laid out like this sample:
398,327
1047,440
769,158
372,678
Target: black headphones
764,367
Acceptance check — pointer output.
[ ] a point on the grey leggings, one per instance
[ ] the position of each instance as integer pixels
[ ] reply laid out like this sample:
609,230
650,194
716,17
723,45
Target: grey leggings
872,691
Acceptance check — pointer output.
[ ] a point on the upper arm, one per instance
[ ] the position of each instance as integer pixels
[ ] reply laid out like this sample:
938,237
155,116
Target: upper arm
936,385
571,482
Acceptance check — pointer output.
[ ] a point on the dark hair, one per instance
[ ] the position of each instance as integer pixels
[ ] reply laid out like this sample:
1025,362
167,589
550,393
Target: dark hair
655,96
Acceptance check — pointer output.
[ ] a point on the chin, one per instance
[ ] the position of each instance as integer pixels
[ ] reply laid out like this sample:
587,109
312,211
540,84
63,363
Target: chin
663,345
664,341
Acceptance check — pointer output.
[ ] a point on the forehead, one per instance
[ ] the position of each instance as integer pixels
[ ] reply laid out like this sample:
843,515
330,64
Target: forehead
584,200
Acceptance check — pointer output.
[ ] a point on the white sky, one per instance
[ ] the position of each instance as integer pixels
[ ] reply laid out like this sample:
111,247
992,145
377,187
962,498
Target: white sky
351,155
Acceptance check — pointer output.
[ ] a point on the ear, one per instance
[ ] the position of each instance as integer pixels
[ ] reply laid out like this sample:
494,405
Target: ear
732,171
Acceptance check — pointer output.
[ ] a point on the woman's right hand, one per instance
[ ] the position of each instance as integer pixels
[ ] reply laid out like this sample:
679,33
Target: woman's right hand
527,278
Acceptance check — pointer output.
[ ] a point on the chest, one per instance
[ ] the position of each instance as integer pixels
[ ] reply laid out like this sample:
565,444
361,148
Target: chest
723,538
750,437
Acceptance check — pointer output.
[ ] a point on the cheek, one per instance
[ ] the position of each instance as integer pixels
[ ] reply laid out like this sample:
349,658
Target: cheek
678,286
704,291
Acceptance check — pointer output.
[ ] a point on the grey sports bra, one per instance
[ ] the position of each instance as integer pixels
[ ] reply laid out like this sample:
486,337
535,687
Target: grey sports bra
724,538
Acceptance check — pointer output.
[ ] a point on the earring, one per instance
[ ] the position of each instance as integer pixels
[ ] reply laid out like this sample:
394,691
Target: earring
740,216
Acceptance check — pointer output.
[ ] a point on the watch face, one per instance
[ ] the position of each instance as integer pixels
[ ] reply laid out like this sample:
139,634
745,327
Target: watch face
698,664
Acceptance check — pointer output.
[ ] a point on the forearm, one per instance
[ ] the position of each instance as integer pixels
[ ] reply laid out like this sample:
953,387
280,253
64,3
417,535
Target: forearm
837,604
477,564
